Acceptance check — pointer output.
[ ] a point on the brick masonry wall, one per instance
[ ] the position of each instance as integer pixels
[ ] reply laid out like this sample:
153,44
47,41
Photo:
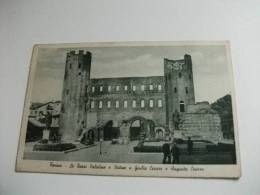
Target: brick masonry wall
118,114
202,123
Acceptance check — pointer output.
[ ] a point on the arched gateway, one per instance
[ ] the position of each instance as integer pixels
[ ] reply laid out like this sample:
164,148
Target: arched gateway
140,127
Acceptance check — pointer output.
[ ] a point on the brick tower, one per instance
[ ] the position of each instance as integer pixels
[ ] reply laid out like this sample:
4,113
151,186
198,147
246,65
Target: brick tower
179,88
75,94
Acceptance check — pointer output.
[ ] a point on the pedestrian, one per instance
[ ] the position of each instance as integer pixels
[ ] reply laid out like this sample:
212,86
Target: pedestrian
189,146
175,151
82,128
48,120
176,119
166,153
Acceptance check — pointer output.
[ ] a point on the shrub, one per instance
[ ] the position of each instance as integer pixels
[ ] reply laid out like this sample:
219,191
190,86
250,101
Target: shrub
221,148
54,147
157,149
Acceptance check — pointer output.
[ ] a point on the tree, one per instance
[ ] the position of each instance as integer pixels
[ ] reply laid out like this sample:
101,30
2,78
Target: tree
224,108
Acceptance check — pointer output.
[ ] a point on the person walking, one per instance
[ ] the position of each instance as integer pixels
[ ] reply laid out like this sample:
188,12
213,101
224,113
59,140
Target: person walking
166,153
189,146
175,151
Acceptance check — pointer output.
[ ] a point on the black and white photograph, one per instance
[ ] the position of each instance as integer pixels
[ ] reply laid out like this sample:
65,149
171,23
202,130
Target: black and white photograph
137,109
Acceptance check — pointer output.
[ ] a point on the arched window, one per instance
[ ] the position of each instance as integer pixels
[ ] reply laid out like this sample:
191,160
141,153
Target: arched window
109,88
151,103
125,103
134,104
100,105
117,104
180,75
92,104
108,104
182,106
142,103
160,103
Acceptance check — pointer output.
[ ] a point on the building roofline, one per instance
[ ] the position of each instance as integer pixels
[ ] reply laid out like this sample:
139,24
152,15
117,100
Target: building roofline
136,77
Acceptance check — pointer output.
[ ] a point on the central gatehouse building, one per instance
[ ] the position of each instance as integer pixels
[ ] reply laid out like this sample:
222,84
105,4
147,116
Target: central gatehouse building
127,106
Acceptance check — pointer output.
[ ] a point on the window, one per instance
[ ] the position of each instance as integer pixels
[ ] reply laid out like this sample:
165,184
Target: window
134,88
151,103
109,104
159,87
109,88
134,103
70,65
79,73
180,75
93,89
126,87
190,76
92,104
186,90
142,103
117,104
79,65
151,87
159,103
182,106
125,104
117,88
100,104
175,90
101,88
142,87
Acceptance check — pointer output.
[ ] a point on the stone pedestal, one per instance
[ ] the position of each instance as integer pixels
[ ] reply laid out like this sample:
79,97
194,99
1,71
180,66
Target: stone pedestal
124,133
46,134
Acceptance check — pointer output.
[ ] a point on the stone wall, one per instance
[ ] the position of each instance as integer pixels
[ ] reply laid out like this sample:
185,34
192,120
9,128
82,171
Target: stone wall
126,95
75,94
201,123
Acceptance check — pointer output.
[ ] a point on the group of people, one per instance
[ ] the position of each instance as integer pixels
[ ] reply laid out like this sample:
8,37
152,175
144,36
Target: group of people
171,152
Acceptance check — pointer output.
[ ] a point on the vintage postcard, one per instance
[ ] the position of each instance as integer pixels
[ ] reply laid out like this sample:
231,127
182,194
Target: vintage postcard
160,109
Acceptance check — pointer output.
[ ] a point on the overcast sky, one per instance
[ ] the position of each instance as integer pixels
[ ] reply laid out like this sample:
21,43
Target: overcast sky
211,77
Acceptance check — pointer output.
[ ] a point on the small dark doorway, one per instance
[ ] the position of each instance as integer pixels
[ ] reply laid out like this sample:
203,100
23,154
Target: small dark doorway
136,128
182,106
108,130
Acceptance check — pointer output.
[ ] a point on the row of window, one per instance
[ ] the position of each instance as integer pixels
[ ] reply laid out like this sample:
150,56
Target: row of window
126,88
125,104
186,90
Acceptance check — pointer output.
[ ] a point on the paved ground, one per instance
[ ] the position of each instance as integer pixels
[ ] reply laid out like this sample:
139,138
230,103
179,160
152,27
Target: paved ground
123,154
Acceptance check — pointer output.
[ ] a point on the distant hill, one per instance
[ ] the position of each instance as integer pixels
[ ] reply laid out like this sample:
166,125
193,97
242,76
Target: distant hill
224,108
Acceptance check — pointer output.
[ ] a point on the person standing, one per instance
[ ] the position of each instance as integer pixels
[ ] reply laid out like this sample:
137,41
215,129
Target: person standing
48,120
166,153
189,146
175,151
